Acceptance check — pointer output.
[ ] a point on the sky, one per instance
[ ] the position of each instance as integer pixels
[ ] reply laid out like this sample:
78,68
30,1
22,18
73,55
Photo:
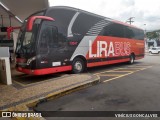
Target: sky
146,13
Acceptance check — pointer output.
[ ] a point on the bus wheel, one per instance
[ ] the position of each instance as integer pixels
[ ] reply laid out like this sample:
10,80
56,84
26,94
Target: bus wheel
78,65
131,59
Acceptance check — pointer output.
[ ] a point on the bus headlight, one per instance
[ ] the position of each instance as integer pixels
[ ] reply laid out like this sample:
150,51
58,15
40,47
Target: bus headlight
30,60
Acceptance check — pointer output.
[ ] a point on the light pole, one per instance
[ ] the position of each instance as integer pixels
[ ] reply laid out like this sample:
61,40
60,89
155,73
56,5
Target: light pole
145,37
130,20
145,28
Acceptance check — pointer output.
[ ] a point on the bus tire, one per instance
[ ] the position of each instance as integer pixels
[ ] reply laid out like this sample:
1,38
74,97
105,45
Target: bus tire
78,66
132,58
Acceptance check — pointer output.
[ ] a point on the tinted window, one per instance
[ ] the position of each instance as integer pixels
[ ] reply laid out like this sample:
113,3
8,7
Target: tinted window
53,39
154,48
62,19
115,30
139,34
48,36
83,23
118,30
129,32
134,33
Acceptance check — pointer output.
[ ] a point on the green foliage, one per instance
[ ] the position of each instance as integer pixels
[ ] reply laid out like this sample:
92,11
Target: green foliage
153,34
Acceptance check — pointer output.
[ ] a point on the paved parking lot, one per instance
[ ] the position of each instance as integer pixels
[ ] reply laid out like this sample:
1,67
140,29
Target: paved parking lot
110,75
123,88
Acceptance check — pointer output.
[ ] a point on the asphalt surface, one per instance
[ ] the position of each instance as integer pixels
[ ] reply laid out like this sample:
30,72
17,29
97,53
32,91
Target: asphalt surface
123,88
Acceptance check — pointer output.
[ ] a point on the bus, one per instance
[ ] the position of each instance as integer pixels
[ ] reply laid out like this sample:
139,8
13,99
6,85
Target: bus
63,38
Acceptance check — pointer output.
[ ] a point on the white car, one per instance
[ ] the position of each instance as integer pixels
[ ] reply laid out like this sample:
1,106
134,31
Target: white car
154,50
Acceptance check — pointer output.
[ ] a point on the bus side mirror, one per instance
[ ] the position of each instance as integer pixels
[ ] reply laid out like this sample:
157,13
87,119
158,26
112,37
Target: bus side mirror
31,20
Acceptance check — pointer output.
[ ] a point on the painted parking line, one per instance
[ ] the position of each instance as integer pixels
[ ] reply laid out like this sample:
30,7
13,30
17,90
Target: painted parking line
19,83
126,74
124,71
37,82
121,72
107,71
118,77
109,74
138,66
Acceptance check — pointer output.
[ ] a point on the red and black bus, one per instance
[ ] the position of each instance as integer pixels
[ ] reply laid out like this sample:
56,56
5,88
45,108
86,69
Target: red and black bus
63,38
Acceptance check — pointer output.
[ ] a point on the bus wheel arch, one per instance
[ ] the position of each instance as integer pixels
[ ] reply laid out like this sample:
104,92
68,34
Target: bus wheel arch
132,58
79,64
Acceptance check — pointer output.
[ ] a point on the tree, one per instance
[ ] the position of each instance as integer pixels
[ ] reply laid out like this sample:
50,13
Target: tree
152,35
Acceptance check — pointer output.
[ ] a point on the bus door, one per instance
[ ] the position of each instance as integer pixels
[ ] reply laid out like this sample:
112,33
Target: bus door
52,46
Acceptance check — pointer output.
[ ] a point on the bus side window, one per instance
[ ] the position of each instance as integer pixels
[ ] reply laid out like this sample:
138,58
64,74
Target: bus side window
139,34
43,43
49,37
129,33
114,30
53,41
62,40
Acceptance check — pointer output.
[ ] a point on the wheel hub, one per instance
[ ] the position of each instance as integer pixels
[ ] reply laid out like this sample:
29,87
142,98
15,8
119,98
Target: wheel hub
78,66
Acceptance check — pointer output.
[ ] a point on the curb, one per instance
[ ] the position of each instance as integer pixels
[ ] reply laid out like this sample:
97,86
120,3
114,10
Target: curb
56,95
29,106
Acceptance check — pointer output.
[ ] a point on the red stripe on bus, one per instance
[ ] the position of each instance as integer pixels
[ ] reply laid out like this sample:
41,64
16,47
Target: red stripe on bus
45,70
106,62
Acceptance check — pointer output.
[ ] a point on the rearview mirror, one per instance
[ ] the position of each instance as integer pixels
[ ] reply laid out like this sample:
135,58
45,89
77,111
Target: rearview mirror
31,20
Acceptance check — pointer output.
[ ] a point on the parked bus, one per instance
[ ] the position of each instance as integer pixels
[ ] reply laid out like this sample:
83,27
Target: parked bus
63,39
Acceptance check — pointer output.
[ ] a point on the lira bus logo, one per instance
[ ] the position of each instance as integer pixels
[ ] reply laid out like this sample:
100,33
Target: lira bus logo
105,49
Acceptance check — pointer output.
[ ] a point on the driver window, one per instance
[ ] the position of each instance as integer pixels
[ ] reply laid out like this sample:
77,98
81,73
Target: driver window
44,37
53,41
49,37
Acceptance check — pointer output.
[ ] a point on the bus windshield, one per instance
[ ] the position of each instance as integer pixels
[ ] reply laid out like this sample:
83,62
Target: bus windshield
27,39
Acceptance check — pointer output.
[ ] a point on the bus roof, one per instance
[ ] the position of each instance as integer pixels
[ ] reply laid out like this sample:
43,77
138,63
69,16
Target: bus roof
93,14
